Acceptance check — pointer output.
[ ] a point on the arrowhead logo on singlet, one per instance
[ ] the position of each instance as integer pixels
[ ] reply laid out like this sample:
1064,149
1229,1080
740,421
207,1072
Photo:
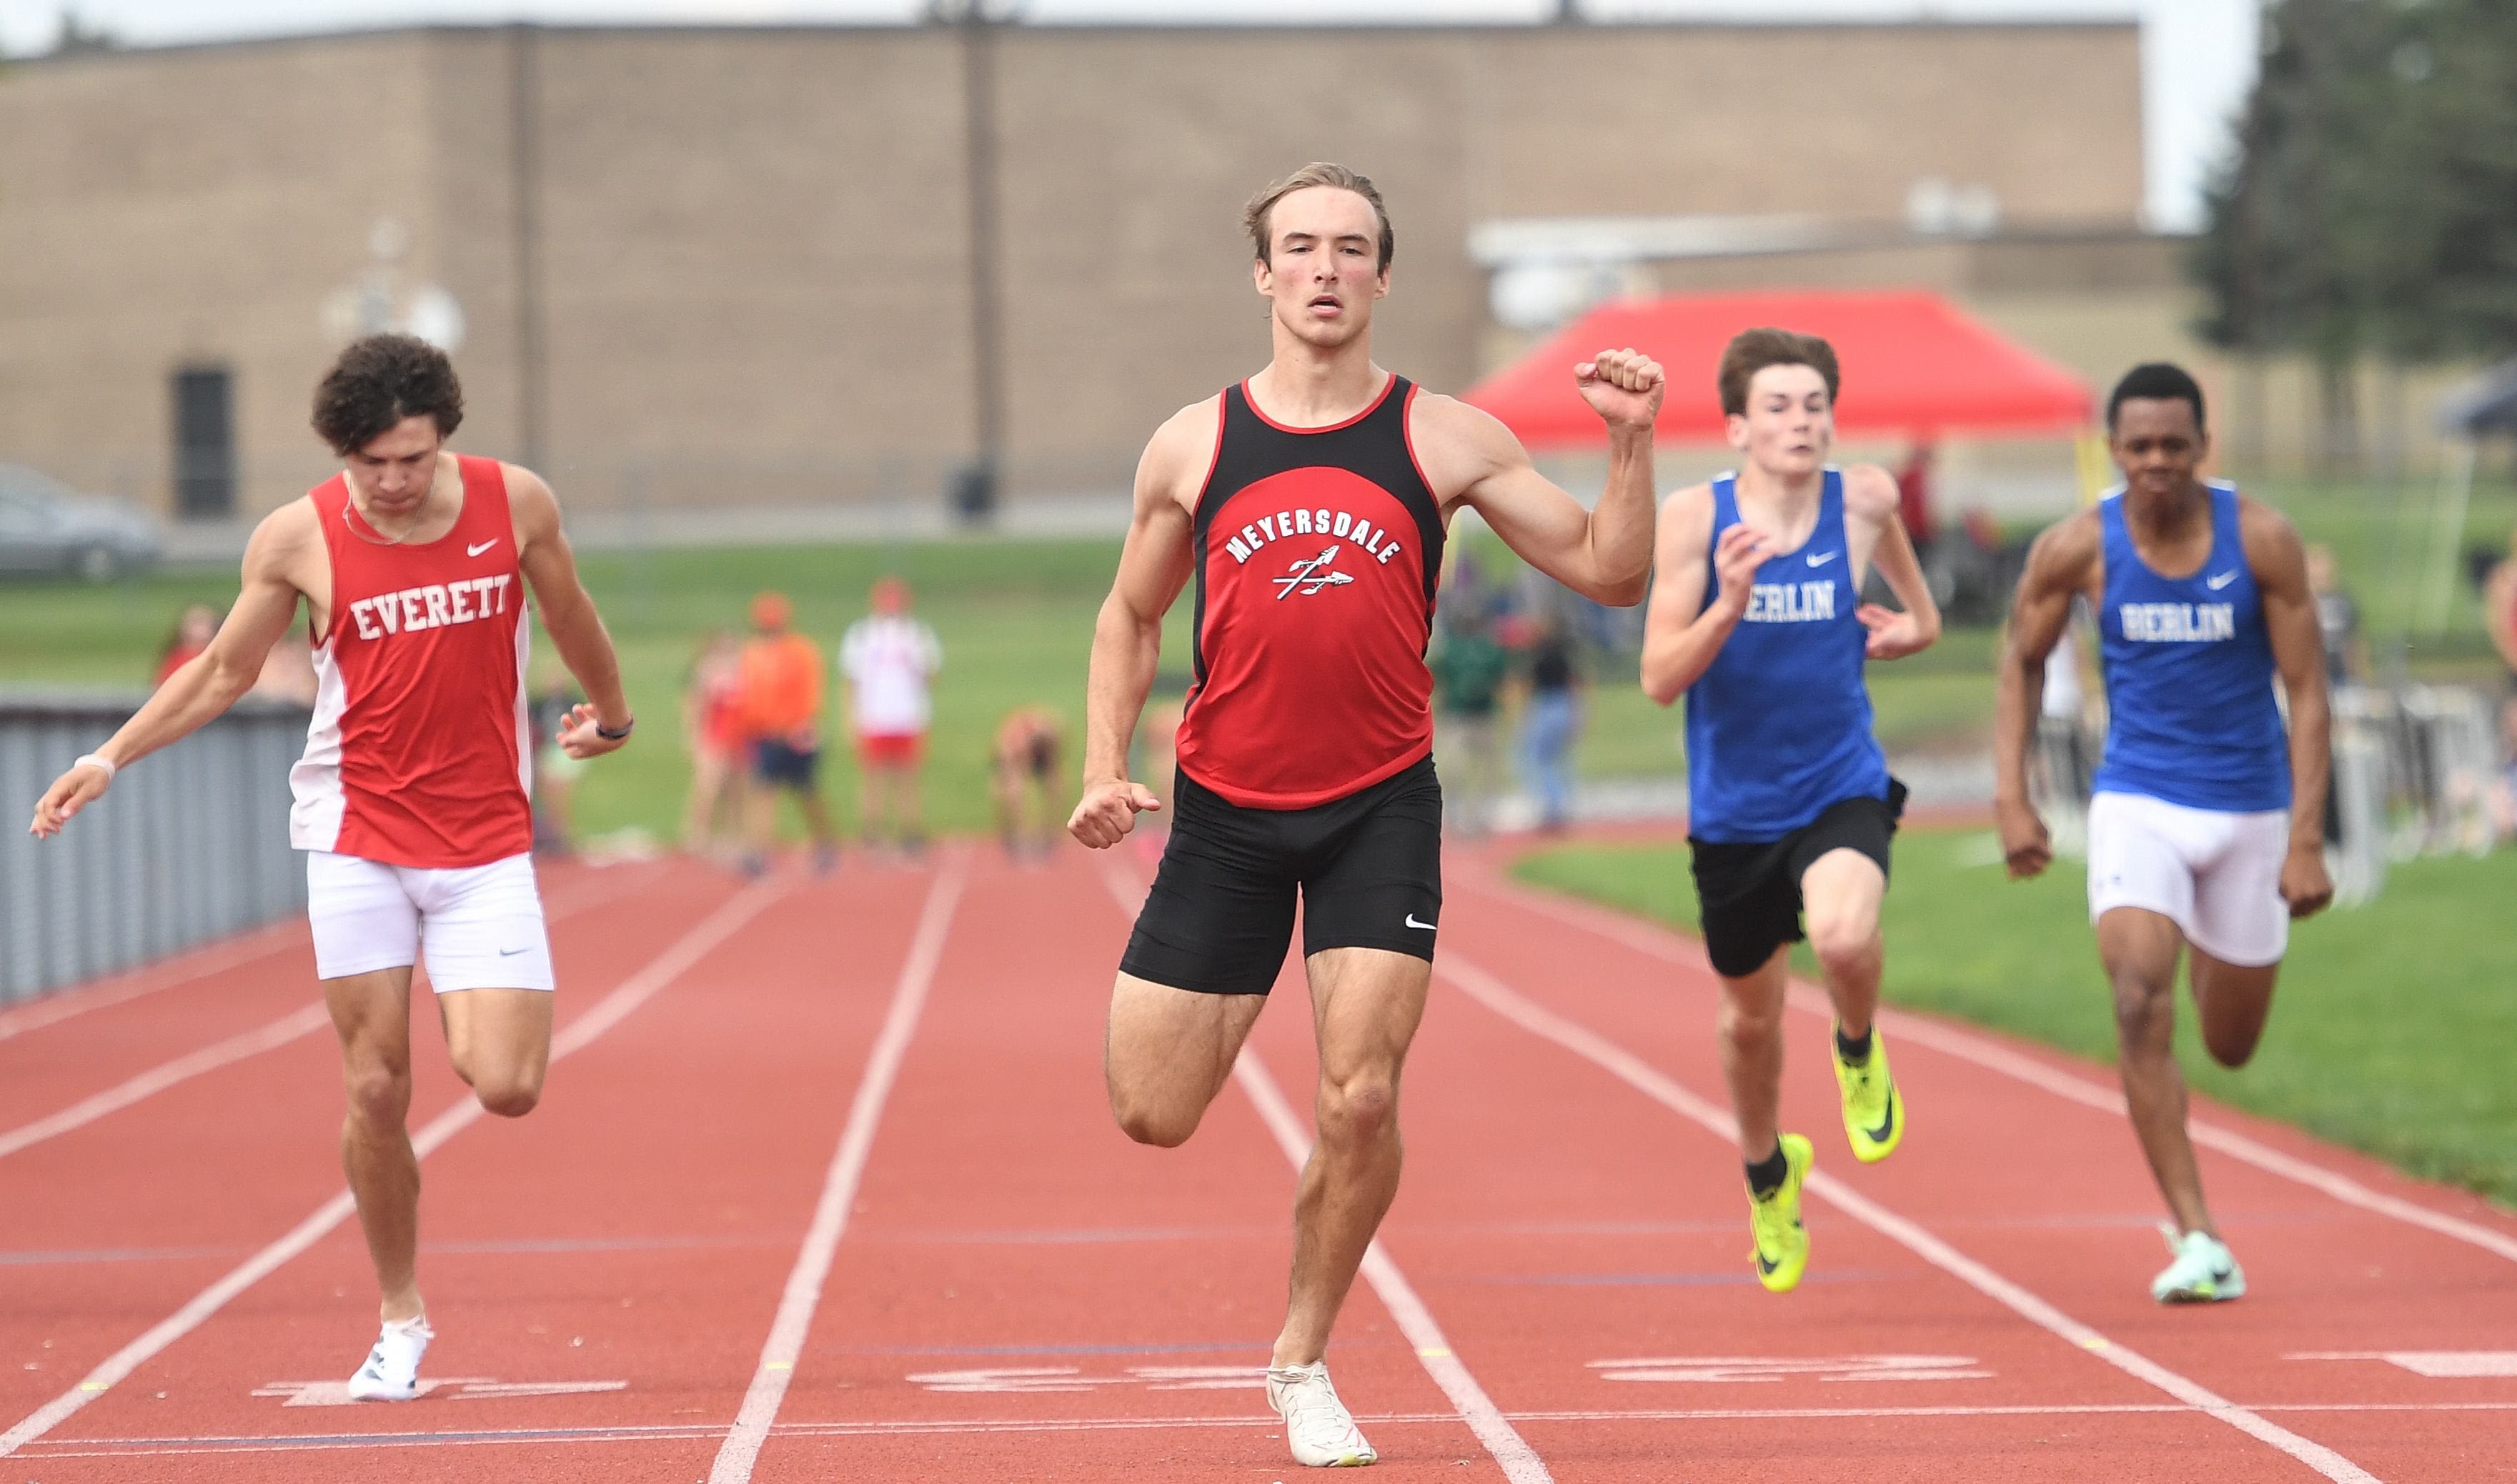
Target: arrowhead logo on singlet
1311,577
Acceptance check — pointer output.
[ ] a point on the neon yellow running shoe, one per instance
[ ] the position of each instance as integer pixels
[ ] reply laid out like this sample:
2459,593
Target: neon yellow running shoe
1874,1112
1775,1221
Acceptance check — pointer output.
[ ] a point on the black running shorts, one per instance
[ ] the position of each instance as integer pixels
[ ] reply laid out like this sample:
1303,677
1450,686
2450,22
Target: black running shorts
1749,894
1368,867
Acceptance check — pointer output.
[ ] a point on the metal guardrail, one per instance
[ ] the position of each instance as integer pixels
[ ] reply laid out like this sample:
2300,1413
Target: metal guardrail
189,845
2412,769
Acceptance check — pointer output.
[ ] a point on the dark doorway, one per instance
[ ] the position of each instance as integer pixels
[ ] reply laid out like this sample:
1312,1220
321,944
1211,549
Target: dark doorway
205,462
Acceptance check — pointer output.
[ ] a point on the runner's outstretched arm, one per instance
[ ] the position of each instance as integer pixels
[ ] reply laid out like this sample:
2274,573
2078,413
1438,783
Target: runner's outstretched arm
1603,554
1871,493
577,630
2058,565
1127,637
1682,632
210,682
2279,564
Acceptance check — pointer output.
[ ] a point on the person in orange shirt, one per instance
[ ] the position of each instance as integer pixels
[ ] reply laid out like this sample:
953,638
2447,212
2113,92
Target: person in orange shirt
782,690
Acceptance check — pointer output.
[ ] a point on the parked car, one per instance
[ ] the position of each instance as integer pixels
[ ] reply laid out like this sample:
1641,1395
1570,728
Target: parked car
45,527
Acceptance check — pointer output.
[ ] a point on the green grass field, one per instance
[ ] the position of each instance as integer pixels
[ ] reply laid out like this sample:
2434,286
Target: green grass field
1017,621
2390,1030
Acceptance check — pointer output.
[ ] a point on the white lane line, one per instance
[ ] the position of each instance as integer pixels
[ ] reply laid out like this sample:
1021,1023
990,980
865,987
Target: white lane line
1520,1462
304,1021
538,1437
741,1449
1671,948
191,968
641,986
1653,1084
188,967
236,1048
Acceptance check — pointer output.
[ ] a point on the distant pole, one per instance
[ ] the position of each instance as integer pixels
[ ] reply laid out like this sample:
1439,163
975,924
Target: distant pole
1568,11
524,127
978,495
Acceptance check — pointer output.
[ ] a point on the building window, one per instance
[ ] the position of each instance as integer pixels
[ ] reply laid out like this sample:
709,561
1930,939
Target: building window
205,461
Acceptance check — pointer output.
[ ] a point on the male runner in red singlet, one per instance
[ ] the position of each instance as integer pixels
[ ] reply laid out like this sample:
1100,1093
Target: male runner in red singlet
412,796
1309,504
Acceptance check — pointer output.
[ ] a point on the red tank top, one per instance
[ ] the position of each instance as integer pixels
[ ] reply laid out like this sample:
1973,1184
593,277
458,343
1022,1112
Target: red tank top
1317,551
416,755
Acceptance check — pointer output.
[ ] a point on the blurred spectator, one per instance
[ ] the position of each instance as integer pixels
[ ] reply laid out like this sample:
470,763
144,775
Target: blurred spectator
1914,497
1469,668
2503,789
712,729
194,627
2337,619
781,676
555,772
1022,771
2500,611
890,659
1551,726
288,671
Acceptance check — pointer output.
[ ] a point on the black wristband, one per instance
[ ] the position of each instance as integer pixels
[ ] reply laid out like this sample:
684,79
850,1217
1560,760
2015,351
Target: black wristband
608,734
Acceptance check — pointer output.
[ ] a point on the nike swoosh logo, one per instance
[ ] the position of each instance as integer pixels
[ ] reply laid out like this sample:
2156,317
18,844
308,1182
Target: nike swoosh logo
1766,1269
1411,922
510,952
1822,560
1886,1125
474,551
2220,582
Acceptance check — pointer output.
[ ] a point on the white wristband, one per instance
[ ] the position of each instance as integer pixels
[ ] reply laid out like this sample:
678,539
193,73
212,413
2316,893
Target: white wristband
90,760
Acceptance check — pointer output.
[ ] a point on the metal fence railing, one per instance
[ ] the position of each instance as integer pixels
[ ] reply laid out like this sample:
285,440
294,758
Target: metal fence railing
189,845
2411,768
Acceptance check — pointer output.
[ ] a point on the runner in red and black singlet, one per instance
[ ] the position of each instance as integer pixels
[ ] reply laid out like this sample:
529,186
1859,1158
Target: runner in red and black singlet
1318,551
1308,505
413,565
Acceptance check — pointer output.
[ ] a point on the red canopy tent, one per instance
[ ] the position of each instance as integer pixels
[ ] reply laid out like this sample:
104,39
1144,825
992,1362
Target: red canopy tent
1914,366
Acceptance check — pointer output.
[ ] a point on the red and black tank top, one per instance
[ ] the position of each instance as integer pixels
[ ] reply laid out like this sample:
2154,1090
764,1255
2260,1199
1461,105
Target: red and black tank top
1318,551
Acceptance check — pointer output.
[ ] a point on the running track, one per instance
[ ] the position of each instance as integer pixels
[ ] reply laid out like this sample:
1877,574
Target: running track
823,1189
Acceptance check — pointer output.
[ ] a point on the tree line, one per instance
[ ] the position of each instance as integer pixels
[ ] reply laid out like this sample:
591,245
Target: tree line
2369,209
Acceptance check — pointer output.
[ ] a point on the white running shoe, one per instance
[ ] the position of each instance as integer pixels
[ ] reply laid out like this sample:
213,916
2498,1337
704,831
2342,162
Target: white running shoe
392,1371
1317,1426
2204,1270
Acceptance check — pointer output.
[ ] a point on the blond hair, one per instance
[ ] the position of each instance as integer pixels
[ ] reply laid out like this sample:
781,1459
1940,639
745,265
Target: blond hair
1255,217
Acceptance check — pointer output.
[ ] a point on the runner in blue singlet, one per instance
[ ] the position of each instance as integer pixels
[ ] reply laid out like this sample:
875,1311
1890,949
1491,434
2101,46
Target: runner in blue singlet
1757,619
2207,828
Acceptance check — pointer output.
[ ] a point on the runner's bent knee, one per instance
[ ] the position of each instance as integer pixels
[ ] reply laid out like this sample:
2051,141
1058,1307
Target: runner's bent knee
379,1090
1356,1110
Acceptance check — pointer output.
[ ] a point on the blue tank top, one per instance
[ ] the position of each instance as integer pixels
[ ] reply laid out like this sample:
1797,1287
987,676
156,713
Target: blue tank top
2189,670
1779,727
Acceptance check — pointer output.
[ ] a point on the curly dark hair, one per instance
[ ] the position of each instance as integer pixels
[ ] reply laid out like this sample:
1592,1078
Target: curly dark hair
378,381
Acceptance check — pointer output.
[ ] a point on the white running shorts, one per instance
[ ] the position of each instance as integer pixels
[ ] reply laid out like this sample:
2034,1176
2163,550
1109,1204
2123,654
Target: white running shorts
482,925
2216,875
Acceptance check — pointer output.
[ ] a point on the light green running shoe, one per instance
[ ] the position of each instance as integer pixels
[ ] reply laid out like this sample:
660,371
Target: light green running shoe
1874,1112
1775,1221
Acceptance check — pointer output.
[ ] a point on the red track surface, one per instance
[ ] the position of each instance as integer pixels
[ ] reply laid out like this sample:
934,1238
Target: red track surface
869,1110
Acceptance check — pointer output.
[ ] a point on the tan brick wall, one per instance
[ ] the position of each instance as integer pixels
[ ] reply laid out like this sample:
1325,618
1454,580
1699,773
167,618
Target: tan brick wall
159,207
753,245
